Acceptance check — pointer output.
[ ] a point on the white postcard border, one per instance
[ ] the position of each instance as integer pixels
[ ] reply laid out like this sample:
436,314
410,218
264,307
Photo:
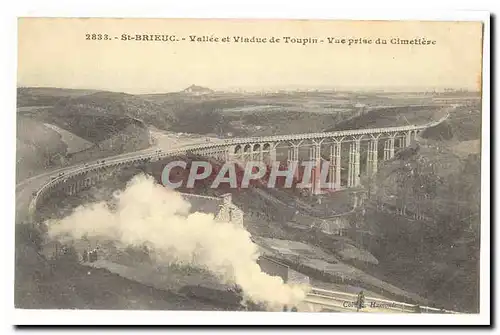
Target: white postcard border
50,317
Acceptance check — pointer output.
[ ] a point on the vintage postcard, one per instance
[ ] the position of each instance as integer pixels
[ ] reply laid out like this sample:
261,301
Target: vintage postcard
240,165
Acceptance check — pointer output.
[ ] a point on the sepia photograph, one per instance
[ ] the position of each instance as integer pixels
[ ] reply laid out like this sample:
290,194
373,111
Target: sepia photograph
250,165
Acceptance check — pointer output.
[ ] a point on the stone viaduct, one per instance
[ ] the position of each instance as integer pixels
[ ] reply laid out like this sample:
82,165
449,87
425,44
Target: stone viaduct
255,148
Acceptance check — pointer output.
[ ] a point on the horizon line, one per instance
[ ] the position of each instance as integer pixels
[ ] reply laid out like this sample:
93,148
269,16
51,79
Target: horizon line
387,89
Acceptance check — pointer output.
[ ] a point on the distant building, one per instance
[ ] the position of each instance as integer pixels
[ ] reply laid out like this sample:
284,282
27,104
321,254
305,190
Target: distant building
198,90
221,207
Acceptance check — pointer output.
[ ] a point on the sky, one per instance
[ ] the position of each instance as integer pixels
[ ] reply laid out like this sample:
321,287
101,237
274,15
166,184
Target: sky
54,52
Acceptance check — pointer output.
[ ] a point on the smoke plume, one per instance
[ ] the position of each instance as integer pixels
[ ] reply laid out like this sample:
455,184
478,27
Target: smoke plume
146,213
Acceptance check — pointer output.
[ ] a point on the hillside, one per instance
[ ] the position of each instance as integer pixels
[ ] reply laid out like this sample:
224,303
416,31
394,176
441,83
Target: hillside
464,124
96,116
94,125
390,117
110,112
437,256
45,96
37,147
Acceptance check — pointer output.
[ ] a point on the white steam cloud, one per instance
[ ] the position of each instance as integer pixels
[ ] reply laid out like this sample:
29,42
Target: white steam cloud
147,213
